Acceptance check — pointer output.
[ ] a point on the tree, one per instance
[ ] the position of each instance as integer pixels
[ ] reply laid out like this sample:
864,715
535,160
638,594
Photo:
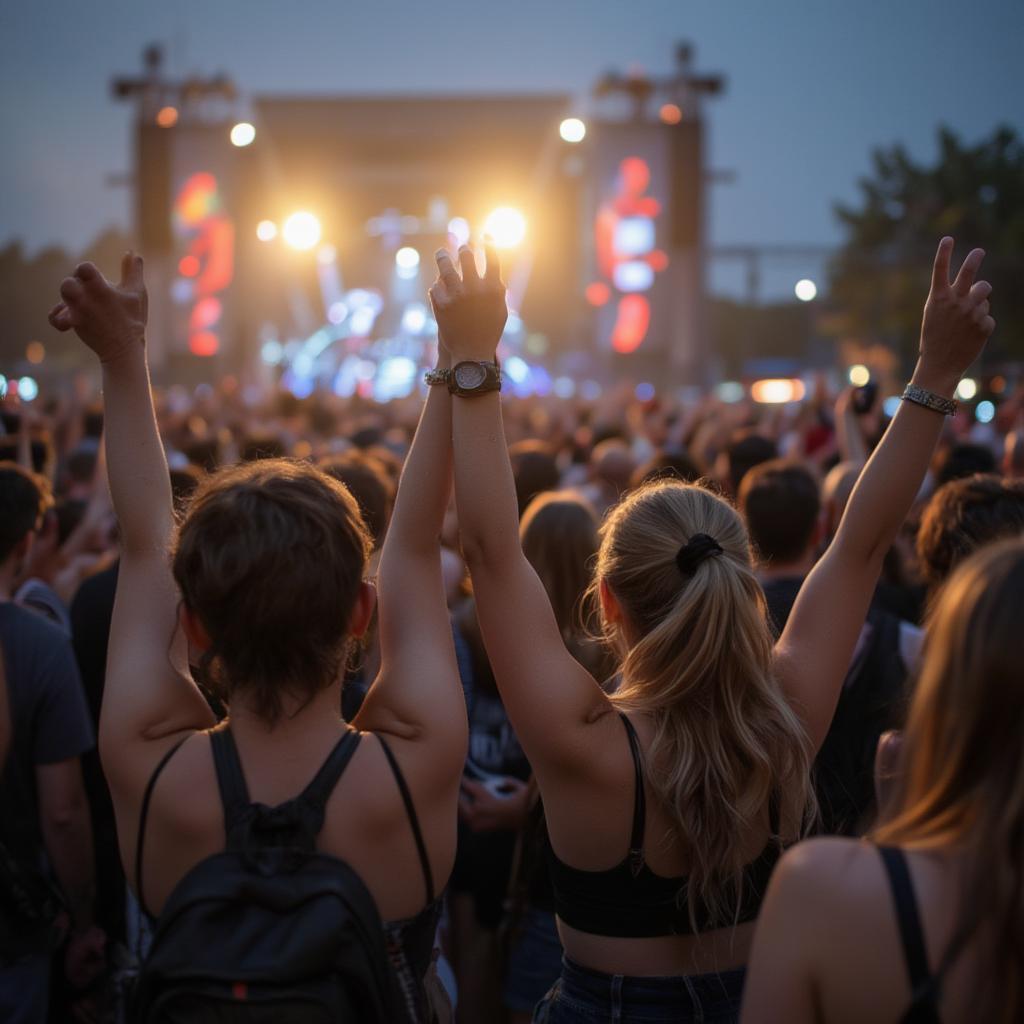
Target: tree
880,277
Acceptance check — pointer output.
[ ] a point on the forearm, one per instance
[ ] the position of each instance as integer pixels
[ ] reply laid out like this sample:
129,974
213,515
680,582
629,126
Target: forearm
893,475
136,465
68,843
485,490
425,486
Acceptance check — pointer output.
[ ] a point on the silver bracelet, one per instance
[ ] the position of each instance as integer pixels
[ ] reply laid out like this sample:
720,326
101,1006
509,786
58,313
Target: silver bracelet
930,400
437,376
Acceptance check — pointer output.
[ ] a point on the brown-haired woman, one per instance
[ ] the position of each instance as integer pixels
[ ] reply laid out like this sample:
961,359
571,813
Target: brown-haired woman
930,912
268,590
668,802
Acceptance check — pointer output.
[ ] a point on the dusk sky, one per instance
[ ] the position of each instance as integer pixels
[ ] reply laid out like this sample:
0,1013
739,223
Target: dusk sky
812,86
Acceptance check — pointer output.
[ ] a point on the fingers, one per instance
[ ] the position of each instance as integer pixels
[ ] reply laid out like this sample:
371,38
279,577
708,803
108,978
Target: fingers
131,271
940,269
72,291
980,291
988,325
981,310
60,317
447,272
964,280
493,271
467,260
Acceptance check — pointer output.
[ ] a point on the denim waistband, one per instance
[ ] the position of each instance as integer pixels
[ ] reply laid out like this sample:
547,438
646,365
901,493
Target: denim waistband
690,996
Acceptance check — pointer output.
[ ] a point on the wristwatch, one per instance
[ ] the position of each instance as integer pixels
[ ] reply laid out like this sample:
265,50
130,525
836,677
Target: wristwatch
472,377
441,375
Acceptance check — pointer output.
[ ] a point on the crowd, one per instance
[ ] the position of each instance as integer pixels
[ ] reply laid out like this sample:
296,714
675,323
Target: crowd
489,709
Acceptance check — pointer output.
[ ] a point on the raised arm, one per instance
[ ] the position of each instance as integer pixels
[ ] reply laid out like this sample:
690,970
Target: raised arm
418,695
813,654
149,697
549,697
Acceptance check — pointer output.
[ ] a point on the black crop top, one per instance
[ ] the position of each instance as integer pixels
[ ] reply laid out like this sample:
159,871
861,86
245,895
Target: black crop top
630,900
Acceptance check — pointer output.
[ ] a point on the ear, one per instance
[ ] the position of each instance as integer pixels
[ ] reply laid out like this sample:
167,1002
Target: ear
611,610
198,639
362,613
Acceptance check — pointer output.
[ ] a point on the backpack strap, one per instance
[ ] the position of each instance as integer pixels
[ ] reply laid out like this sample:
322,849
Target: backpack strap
901,885
234,793
636,835
414,821
143,815
318,792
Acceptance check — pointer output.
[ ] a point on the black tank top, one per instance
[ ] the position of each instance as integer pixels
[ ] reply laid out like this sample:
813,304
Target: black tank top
630,900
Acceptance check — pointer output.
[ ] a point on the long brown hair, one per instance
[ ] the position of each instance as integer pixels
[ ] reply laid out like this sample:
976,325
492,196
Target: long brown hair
962,780
726,742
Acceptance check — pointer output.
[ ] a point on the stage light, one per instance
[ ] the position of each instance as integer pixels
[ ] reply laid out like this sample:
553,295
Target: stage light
167,117
997,385
644,392
729,391
506,226
242,134
670,113
458,228
266,231
326,255
336,312
272,352
407,258
28,389
35,353
859,375
572,129
302,230
597,293
985,412
805,289
967,389
3,386
777,391
891,405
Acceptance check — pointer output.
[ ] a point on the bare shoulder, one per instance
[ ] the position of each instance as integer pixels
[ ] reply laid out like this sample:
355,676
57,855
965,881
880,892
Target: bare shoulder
830,874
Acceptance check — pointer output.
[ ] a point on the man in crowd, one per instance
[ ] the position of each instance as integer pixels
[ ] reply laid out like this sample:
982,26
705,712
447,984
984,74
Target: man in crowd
46,851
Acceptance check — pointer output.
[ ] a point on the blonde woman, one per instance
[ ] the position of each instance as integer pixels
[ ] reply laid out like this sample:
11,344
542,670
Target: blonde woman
668,803
933,915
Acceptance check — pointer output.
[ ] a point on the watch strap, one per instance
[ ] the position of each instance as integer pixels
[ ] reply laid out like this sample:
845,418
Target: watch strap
491,382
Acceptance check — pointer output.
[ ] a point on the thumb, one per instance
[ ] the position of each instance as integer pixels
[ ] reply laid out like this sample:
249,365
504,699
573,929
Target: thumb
131,272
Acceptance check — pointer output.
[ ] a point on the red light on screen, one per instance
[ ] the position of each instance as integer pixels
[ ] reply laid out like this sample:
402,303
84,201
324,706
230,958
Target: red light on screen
597,293
631,326
657,260
204,343
188,266
205,313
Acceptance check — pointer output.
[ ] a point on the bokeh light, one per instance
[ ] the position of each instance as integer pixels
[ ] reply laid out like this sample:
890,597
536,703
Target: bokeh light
35,352
985,412
967,389
407,258
806,290
777,391
167,117
28,389
506,226
301,230
266,231
572,129
670,113
242,134
859,375
458,228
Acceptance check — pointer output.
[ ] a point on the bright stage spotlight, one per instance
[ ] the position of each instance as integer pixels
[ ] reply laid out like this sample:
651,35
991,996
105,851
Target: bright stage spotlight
242,134
806,290
407,258
507,226
572,129
859,375
266,231
302,230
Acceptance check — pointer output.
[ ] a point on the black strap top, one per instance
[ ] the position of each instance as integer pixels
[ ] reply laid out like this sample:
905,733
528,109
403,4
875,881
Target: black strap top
631,901
924,986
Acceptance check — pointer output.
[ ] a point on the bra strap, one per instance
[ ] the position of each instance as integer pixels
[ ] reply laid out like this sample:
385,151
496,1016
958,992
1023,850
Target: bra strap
414,821
234,793
317,793
915,954
143,815
636,836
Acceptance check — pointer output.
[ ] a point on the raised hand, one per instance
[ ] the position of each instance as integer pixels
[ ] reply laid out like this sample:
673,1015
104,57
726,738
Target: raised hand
110,319
956,321
470,309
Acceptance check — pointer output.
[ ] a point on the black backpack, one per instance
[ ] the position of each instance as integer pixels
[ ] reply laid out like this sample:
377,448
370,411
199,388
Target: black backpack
270,929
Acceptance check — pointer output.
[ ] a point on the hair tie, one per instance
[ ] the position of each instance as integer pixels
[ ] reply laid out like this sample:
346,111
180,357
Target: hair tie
697,549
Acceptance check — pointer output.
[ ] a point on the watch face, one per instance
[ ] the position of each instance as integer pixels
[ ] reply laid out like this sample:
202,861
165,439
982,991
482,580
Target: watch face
470,375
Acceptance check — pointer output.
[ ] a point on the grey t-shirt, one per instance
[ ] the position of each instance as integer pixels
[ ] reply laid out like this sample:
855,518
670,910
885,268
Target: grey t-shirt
49,720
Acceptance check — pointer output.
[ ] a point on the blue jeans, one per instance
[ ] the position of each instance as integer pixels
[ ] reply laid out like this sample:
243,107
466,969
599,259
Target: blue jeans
534,961
583,996
25,990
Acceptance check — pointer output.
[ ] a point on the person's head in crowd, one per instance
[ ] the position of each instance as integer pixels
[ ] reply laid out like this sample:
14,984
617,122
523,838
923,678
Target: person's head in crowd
261,446
559,537
1013,454
964,515
682,607
255,535
535,471
388,461
780,503
745,450
185,481
962,460
668,464
611,468
204,453
69,513
368,482
80,468
835,493
961,783
23,503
